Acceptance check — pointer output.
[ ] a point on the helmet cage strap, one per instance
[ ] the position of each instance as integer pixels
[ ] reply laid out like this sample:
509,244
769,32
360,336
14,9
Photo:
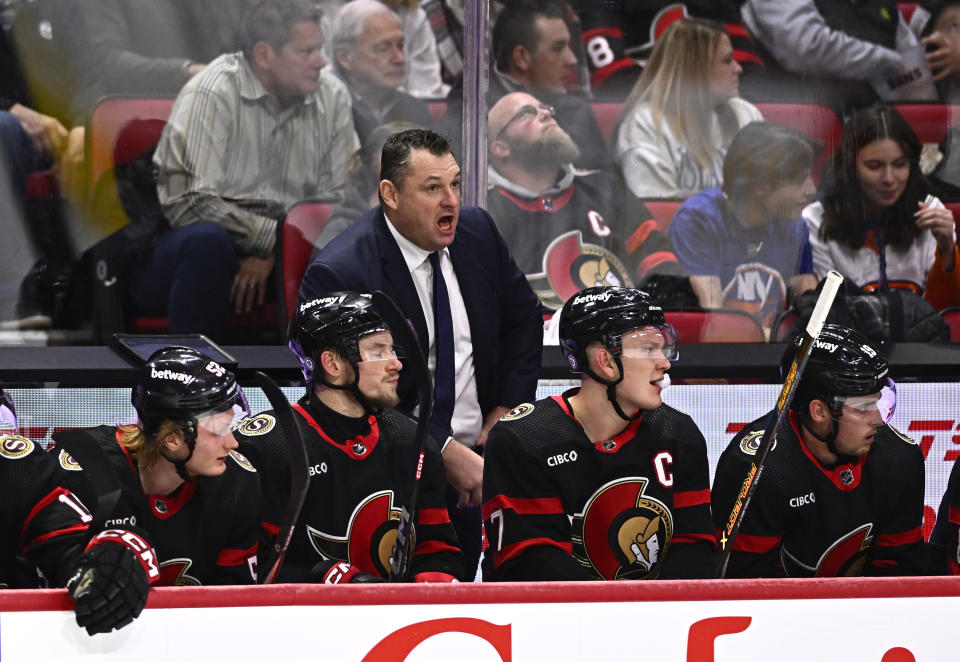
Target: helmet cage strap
611,384
188,429
836,411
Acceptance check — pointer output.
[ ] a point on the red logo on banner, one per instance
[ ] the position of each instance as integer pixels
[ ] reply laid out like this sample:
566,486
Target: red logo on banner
396,646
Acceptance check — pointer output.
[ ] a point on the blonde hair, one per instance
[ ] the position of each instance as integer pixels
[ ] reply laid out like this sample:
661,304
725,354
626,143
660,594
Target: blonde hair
143,448
676,84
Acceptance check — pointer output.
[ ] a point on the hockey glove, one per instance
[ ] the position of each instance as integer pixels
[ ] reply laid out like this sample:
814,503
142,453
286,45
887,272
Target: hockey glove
338,572
111,579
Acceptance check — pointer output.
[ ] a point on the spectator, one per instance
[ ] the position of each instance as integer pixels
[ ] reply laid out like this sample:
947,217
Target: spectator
826,52
942,17
152,48
368,56
841,494
531,49
423,79
682,114
181,478
604,481
253,133
484,346
546,208
746,243
619,36
346,530
875,222
363,179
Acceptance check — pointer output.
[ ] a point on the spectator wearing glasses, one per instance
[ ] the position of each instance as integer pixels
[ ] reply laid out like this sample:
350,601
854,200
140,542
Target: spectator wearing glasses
567,227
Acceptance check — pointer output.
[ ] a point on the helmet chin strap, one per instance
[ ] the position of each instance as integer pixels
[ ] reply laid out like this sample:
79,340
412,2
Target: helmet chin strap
829,439
612,389
354,387
189,431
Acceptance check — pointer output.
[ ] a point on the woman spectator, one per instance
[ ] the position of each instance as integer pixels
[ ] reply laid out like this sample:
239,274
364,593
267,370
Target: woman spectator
876,222
682,114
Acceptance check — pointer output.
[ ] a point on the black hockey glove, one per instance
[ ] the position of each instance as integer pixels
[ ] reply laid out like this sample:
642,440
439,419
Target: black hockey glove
338,572
111,579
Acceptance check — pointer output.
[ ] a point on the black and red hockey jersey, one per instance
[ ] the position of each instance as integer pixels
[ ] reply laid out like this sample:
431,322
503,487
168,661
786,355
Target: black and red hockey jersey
361,472
560,507
40,520
946,532
807,520
206,532
619,33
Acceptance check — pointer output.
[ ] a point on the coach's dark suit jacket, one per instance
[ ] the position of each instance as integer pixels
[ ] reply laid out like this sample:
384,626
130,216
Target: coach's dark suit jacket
506,324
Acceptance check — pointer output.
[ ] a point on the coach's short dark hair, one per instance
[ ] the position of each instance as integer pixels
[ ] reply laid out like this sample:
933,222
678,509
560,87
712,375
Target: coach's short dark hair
395,157
516,25
272,20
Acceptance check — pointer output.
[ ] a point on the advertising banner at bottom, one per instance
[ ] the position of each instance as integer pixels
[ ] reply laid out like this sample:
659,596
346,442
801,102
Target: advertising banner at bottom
700,621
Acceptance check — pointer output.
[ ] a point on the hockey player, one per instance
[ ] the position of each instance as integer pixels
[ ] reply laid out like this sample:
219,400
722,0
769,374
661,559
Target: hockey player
181,478
44,526
361,455
841,492
945,538
604,481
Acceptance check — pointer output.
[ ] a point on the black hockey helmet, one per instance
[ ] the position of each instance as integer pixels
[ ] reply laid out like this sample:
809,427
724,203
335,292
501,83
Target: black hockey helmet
842,364
8,413
605,314
183,385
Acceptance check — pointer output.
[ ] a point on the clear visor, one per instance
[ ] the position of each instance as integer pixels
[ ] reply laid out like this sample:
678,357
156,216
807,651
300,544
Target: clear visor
884,403
651,342
379,347
221,421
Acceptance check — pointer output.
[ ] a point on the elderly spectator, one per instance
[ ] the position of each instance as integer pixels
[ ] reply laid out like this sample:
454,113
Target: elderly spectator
452,274
253,133
568,228
368,55
746,244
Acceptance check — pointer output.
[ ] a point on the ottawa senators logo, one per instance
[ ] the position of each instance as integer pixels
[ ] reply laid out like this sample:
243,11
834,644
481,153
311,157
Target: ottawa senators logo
370,538
242,460
622,533
67,462
750,443
844,558
174,573
518,412
14,446
663,20
258,425
569,265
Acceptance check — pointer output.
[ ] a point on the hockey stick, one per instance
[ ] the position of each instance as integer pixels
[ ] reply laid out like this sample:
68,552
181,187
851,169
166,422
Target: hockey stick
405,337
88,453
749,486
299,473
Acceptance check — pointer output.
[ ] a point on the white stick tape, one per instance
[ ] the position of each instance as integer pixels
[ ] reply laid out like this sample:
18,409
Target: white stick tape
824,301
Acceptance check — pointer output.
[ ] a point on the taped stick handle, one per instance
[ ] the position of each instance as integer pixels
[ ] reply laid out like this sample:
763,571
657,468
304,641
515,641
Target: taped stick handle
824,302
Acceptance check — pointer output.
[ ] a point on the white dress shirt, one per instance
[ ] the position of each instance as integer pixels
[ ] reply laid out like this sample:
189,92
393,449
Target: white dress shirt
467,419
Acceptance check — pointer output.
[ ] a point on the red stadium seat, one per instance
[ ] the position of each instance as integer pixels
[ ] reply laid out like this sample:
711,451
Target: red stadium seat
139,123
437,109
720,325
296,235
606,113
907,9
812,120
663,211
951,316
930,120
782,325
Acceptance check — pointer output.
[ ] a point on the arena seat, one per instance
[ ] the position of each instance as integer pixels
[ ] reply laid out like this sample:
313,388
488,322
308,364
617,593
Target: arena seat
782,325
907,9
296,235
663,211
122,127
812,120
720,325
437,109
951,316
606,113
930,120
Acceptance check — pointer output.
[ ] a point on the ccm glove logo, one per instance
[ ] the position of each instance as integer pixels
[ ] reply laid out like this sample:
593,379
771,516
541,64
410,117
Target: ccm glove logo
140,548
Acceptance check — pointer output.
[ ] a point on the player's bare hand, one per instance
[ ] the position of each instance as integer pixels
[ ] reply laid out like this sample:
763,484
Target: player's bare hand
464,470
47,134
250,285
941,60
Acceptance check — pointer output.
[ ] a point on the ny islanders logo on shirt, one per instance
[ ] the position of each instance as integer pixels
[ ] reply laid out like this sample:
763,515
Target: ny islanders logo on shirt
570,265
758,290
622,532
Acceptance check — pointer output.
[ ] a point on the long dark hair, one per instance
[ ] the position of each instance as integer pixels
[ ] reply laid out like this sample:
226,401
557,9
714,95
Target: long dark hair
843,200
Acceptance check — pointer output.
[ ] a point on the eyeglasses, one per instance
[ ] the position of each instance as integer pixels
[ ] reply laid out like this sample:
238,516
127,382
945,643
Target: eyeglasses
525,114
